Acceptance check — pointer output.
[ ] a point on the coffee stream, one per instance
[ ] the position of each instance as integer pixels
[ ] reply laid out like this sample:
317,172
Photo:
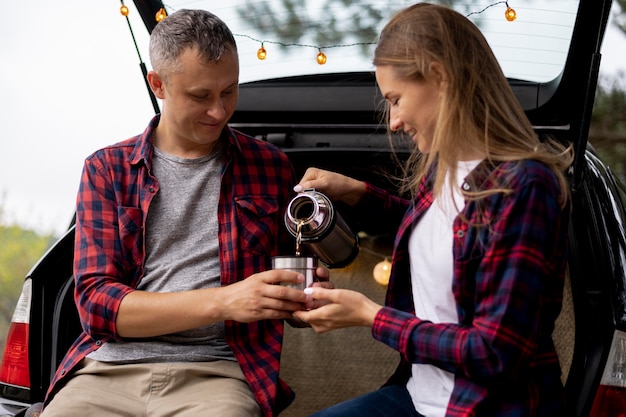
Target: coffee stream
299,236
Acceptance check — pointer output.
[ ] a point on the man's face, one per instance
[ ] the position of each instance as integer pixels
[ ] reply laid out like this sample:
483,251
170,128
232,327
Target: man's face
198,100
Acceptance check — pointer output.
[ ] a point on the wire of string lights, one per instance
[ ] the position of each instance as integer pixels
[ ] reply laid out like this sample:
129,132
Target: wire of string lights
510,14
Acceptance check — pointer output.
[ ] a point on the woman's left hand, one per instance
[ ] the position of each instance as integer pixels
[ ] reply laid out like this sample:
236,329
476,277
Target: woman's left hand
340,308
323,281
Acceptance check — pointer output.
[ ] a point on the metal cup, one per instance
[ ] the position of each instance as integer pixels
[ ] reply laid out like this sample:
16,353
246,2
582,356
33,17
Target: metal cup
306,265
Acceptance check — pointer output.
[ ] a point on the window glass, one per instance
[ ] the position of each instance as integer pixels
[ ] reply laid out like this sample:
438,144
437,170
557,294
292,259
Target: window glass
531,47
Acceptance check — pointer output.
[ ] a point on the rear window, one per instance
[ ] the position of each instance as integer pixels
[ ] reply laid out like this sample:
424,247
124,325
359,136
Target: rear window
531,47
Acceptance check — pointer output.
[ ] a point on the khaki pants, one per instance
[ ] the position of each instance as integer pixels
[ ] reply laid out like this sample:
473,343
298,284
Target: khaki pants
155,390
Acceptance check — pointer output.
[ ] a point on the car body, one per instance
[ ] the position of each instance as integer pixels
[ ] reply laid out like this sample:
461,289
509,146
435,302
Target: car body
331,120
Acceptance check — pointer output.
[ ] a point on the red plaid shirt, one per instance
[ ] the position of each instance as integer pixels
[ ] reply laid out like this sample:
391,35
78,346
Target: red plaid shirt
112,204
508,286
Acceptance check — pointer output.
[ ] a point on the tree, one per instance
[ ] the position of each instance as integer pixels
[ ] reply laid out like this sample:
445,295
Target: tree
608,122
338,21
620,16
20,250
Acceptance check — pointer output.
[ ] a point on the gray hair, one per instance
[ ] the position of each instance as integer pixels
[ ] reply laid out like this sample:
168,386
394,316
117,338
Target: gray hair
185,29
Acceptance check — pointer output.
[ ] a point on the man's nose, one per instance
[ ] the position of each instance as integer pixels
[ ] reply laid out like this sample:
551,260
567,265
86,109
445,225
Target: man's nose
216,110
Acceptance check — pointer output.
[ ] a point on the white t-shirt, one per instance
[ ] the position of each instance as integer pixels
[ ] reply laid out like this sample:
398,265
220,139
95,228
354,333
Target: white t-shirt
431,260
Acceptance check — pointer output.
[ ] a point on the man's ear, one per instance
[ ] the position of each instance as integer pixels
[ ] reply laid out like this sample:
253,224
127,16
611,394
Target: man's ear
156,84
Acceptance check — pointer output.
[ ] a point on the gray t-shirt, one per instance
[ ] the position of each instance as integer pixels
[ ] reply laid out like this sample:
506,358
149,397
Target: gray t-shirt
182,253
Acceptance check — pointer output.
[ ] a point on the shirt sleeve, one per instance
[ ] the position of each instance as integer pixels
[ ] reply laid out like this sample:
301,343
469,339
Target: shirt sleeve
511,291
101,280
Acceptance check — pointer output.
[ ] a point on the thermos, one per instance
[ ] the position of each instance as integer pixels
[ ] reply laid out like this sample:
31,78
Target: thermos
317,226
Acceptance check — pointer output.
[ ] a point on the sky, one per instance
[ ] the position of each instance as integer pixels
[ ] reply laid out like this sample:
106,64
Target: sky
70,83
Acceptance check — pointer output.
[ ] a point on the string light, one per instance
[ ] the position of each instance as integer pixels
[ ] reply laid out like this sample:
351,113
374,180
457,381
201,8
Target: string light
261,53
382,272
510,15
161,14
321,57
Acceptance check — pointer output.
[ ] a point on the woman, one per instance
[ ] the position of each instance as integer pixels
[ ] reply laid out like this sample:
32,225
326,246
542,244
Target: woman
480,252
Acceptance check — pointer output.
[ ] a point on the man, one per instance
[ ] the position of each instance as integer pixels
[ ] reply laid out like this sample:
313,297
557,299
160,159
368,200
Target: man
174,228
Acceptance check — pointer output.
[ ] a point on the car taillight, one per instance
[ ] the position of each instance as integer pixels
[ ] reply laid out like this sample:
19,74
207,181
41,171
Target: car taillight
15,369
610,399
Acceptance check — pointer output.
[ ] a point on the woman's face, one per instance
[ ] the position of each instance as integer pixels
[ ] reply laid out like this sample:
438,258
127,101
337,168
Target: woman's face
413,105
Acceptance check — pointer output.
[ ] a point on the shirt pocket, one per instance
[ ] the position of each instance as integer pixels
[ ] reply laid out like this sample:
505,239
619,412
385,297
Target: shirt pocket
130,220
259,219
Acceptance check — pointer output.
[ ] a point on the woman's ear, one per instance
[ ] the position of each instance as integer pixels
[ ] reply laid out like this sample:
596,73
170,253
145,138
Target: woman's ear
437,73
156,84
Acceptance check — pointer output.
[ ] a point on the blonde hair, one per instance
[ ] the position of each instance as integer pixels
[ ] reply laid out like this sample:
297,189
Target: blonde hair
478,112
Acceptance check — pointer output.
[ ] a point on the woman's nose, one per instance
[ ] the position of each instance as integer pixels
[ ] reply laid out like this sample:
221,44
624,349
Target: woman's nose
395,123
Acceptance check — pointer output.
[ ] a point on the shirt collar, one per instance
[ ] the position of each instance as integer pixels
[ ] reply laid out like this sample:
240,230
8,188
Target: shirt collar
232,137
144,148
485,175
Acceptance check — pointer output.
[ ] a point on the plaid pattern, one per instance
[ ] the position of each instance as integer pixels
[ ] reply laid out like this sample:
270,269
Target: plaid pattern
508,283
114,196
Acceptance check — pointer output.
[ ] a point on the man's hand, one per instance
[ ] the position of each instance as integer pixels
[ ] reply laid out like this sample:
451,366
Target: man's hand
258,297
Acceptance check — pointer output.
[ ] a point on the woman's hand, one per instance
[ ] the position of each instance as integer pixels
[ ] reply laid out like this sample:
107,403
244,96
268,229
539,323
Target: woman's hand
335,186
342,308
323,281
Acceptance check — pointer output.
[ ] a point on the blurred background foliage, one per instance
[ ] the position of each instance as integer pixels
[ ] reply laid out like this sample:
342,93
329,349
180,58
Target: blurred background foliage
608,123
19,251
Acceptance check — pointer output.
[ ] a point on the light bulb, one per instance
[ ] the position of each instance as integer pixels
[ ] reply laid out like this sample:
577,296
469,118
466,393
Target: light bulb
161,14
382,271
261,53
510,14
321,58
124,10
